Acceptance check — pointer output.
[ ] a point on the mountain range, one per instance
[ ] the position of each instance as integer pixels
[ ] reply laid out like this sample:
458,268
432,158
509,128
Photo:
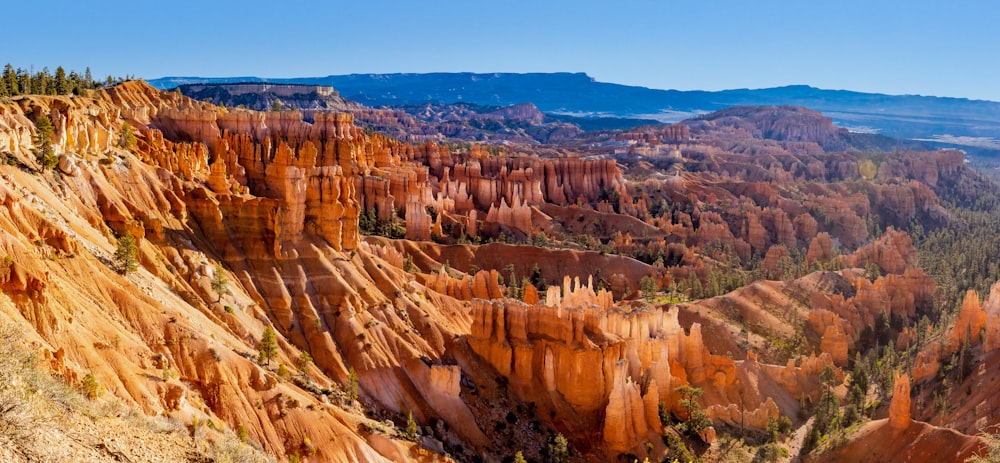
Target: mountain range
971,124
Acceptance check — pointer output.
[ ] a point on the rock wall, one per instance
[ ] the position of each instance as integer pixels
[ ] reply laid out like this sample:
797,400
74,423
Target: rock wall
546,350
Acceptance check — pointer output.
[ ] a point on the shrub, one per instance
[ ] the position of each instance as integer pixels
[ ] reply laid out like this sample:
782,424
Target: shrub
559,448
412,430
90,388
677,448
304,361
351,388
236,449
30,398
126,137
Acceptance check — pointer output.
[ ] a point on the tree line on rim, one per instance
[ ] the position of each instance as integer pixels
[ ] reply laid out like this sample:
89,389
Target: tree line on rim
20,81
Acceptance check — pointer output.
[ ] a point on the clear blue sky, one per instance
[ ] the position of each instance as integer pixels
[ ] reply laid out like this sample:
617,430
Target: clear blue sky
914,47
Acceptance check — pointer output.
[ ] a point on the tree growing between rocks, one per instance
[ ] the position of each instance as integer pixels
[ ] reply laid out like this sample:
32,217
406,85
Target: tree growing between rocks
220,283
126,254
44,153
351,388
126,137
412,430
697,420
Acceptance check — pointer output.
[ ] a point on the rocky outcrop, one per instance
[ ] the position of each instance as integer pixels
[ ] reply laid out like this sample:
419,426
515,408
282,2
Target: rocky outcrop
991,339
970,323
893,252
270,198
275,199
820,249
899,407
544,350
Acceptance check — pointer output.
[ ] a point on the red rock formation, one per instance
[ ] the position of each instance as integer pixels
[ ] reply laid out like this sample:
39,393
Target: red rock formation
277,198
773,258
899,407
546,349
530,294
970,323
877,441
991,340
893,252
820,249
927,363
805,227
655,135
836,343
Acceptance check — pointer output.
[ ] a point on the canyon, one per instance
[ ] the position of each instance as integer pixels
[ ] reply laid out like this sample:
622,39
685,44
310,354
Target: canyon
434,299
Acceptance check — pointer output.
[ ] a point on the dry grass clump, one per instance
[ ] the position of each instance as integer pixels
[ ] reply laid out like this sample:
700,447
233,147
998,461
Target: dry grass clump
30,398
230,449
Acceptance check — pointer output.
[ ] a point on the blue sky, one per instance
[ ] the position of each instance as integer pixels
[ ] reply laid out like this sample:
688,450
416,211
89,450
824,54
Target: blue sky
897,47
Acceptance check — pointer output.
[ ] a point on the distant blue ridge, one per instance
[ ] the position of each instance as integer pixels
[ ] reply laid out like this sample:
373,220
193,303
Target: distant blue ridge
899,116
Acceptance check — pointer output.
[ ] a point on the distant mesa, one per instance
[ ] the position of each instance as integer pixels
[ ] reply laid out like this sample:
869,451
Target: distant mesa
898,116
285,90
262,96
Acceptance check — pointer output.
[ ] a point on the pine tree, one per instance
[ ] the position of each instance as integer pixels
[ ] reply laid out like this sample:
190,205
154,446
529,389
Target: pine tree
44,153
42,79
10,80
220,283
73,85
268,348
858,384
126,137
126,254
351,388
648,287
303,362
24,82
411,427
61,84
88,78
697,418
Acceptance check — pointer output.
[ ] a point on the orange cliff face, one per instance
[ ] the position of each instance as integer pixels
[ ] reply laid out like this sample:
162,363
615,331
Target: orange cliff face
276,214
633,361
276,200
